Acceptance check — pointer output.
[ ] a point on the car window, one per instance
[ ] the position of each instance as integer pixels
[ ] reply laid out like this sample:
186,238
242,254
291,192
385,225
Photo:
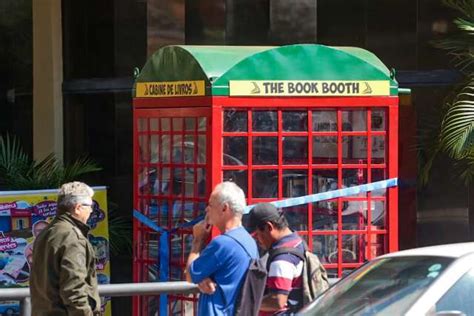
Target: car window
460,296
386,286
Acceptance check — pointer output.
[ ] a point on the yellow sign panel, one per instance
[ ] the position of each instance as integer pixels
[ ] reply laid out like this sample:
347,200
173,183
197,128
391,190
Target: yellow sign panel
290,88
168,89
23,214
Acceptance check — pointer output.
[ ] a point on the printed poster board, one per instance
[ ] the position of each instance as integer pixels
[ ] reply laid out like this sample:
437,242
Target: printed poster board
23,214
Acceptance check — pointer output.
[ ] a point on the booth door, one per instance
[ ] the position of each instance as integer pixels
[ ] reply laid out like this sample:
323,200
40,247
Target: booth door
171,188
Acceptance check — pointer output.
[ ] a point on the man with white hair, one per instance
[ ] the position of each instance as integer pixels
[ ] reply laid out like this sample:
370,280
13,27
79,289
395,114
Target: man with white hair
63,278
220,267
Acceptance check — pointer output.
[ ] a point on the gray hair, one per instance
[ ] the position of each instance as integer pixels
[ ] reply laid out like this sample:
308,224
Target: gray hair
73,193
230,193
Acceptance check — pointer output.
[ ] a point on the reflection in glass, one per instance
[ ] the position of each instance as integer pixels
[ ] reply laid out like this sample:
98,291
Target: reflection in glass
325,149
357,152
142,124
165,181
378,149
264,121
378,120
354,177
201,182
201,149
354,215
154,180
295,183
143,180
324,180
143,145
235,151
378,175
237,176
178,181
235,121
165,124
202,124
378,214
154,148
189,182
352,250
325,215
188,149
324,121
264,183
153,124
190,123
177,124
295,150
295,121
165,148
265,151
177,149
297,217
324,246
354,120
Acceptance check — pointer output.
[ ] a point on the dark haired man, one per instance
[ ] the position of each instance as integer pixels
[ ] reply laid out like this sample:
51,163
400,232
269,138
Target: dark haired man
283,293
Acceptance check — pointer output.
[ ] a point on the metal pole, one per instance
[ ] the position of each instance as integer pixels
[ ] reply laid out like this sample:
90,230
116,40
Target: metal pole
151,288
25,307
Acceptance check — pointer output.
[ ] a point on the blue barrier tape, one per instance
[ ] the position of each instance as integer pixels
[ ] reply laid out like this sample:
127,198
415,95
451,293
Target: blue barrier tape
164,270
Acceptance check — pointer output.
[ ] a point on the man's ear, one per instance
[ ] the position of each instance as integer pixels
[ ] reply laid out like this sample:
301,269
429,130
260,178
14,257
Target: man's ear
270,226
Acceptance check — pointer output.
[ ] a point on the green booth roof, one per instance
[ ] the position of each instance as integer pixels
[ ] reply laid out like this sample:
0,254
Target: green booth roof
217,65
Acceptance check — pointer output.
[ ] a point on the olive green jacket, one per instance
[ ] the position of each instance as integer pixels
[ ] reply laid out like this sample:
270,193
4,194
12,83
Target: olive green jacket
63,278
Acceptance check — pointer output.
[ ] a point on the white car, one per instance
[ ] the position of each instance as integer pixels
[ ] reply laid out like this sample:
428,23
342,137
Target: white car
436,280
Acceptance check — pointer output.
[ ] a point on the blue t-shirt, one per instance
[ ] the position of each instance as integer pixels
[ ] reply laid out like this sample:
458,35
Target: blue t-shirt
226,263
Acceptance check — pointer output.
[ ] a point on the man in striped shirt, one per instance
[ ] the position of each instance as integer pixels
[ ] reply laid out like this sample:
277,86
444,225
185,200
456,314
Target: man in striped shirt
283,294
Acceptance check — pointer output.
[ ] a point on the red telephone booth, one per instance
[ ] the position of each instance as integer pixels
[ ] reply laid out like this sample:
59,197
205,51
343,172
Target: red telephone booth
279,121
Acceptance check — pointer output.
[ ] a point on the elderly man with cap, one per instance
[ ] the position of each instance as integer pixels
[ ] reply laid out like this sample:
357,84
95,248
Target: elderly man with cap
283,293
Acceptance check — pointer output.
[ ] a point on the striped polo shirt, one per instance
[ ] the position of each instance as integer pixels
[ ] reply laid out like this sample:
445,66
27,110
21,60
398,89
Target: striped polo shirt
285,273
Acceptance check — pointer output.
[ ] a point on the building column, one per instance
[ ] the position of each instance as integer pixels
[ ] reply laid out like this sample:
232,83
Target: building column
47,79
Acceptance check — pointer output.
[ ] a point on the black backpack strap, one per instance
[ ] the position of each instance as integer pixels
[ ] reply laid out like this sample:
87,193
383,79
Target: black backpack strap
285,250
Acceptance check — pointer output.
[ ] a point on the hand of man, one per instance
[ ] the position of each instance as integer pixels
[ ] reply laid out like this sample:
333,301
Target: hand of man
207,286
202,230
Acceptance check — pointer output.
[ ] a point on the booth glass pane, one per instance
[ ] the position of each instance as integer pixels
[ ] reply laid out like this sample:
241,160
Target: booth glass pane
295,121
325,121
190,123
142,124
378,214
265,150
324,246
354,215
165,148
295,183
379,175
378,119
202,124
355,150
378,149
325,215
201,182
297,217
324,180
264,121
377,245
235,151
165,181
353,249
143,147
154,126
237,176
177,149
264,183
143,180
354,177
325,150
295,150
153,177
202,143
165,124
354,120
178,181
178,124
189,149
189,184
235,121
154,148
